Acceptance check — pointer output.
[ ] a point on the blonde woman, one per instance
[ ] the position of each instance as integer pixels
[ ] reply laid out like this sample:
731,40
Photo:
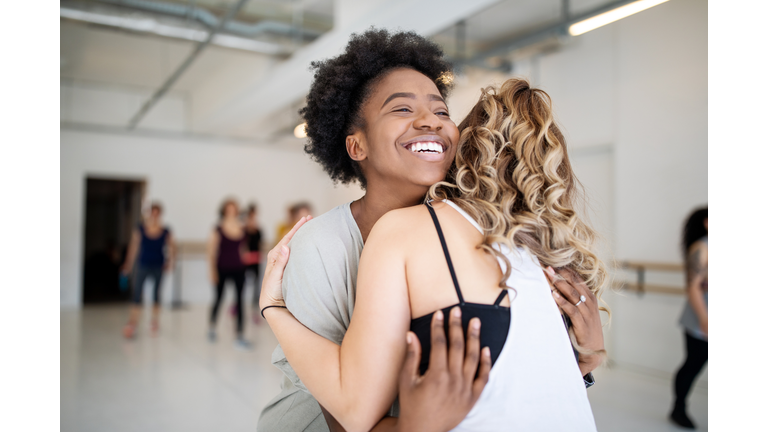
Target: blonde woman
480,248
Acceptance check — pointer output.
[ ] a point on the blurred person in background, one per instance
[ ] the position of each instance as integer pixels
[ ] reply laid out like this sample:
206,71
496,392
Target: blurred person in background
253,256
295,213
695,318
226,249
154,245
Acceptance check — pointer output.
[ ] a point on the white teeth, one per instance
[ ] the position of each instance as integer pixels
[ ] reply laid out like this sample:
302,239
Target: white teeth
426,146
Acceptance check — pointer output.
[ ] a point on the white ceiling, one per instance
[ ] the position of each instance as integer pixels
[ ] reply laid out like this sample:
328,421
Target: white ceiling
224,82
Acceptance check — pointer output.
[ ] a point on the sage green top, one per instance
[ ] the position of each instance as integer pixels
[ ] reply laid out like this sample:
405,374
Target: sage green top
319,290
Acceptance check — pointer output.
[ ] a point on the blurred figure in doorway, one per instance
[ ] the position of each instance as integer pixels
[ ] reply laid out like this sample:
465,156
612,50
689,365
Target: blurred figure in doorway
295,213
226,249
695,319
150,241
253,257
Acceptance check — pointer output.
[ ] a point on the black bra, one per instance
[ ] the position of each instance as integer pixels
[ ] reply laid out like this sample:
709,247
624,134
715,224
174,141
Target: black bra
495,318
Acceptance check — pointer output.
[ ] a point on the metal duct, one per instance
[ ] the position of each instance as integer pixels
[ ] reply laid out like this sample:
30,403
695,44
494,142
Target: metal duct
211,21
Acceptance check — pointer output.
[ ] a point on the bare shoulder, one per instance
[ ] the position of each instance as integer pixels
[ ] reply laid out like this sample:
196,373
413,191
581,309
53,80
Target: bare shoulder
401,224
698,250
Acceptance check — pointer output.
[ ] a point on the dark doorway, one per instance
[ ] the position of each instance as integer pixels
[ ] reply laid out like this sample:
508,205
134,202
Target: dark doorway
112,211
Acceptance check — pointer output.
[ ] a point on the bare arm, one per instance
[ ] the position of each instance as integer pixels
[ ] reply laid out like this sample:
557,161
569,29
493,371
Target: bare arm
696,275
171,243
213,251
133,249
440,399
357,381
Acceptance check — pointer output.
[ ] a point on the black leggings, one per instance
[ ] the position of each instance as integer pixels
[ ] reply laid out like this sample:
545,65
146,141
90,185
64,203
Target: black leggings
697,353
238,277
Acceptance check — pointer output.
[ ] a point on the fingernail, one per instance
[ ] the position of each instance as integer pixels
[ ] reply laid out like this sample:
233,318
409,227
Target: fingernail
439,315
408,338
550,270
456,312
555,293
487,352
476,324
284,250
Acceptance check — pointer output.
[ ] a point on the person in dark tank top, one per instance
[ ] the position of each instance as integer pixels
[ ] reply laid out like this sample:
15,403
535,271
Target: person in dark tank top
226,249
153,244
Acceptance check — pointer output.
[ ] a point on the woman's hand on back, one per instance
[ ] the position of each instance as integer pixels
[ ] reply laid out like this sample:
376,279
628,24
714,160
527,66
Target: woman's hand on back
585,317
441,398
277,259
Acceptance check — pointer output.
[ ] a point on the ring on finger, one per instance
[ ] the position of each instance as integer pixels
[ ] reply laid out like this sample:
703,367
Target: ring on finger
582,299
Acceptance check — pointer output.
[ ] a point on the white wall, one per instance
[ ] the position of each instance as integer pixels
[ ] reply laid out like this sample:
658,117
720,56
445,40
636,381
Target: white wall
632,100
190,174
190,178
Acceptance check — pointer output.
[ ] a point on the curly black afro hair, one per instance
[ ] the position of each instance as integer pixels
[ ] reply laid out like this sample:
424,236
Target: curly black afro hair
343,84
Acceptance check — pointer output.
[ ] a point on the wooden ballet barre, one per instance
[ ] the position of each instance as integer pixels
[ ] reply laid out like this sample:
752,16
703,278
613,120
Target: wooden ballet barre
653,266
661,289
640,267
191,248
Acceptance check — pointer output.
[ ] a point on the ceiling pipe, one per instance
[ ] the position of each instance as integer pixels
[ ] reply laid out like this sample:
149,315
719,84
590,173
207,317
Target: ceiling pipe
557,30
183,67
211,21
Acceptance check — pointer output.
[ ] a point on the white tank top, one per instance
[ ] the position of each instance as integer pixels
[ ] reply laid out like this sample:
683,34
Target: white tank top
535,384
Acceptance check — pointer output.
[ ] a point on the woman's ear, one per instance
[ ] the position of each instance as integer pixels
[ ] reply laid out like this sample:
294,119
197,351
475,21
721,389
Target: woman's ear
355,148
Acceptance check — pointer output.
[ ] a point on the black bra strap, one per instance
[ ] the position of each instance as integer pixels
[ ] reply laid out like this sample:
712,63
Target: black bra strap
500,298
447,255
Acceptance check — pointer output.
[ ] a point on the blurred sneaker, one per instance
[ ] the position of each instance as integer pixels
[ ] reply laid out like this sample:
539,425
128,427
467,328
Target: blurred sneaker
211,335
243,344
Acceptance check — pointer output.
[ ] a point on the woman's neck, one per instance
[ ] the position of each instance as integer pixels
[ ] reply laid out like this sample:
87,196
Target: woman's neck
377,201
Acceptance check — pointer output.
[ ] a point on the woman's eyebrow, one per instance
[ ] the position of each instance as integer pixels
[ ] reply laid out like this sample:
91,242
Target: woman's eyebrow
432,97
398,95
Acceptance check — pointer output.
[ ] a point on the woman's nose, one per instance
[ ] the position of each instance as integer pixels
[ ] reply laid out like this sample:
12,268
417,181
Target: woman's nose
429,121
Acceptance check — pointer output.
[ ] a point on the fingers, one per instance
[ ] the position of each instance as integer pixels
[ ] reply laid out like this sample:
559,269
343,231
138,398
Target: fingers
482,376
472,356
456,345
410,371
284,241
563,284
438,351
276,252
573,312
577,282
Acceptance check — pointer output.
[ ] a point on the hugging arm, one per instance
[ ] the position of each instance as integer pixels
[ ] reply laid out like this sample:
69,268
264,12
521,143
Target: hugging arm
357,382
585,318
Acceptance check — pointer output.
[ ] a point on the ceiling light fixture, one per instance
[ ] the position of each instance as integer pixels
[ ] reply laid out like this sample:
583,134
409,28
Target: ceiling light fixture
598,21
300,131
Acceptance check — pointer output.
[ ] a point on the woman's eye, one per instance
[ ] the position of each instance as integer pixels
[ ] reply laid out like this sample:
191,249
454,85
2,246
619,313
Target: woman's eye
402,110
443,113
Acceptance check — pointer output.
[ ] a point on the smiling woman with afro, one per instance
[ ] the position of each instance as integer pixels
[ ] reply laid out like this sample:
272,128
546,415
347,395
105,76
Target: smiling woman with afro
343,84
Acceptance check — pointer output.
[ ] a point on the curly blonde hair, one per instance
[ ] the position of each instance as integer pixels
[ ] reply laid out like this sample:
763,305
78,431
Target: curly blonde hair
512,175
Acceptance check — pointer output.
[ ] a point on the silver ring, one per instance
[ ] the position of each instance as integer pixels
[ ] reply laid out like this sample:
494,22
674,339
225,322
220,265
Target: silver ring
582,299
